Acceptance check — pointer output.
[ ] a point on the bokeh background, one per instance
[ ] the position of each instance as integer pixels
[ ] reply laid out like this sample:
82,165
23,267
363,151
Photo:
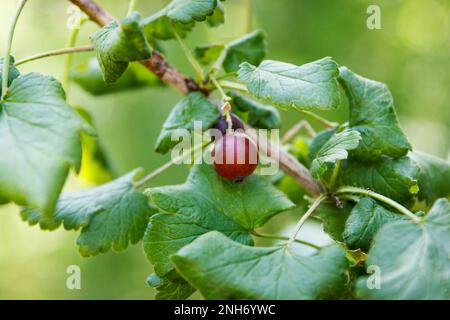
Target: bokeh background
410,53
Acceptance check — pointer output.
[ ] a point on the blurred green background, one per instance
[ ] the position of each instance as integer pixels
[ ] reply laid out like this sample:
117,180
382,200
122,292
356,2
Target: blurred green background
410,53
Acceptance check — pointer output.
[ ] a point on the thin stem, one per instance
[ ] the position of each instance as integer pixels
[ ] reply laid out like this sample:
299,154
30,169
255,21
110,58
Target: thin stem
303,219
187,52
233,85
335,174
54,53
380,197
227,75
71,41
277,237
303,124
169,164
7,60
215,68
249,16
131,6
320,119
220,89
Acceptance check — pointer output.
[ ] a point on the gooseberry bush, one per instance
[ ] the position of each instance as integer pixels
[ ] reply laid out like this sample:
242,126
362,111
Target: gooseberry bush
384,204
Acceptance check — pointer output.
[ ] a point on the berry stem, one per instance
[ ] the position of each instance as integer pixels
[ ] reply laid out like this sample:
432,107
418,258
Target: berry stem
380,197
303,219
168,165
7,60
277,237
53,53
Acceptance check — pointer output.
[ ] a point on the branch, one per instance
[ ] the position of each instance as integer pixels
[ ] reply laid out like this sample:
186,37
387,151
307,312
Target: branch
172,77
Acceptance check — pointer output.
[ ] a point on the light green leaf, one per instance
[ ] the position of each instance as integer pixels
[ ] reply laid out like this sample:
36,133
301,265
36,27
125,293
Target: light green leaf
204,203
118,44
310,86
88,76
365,220
12,74
257,115
170,287
110,216
179,15
334,149
40,141
434,179
394,178
333,218
208,53
193,107
223,269
414,258
319,140
372,113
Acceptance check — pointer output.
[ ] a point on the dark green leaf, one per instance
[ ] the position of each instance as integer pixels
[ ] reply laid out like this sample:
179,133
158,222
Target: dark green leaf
118,44
193,107
414,258
251,48
40,141
88,75
333,219
179,15
258,115
170,287
334,149
434,179
12,74
372,113
310,86
223,269
394,178
204,203
110,216
365,220
208,53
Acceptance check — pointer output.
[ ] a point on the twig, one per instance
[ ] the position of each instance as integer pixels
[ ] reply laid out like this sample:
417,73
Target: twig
7,59
292,132
303,219
276,237
54,53
380,197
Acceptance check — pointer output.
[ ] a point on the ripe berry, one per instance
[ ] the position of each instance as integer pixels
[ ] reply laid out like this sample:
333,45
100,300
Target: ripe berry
235,156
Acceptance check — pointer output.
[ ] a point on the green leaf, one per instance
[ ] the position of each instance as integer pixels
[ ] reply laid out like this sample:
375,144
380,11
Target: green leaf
414,258
88,76
365,220
310,86
40,141
251,48
218,17
206,202
334,149
208,53
95,164
193,107
372,113
333,219
434,176
319,140
223,269
170,287
179,15
12,74
258,115
395,178
118,44
110,216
